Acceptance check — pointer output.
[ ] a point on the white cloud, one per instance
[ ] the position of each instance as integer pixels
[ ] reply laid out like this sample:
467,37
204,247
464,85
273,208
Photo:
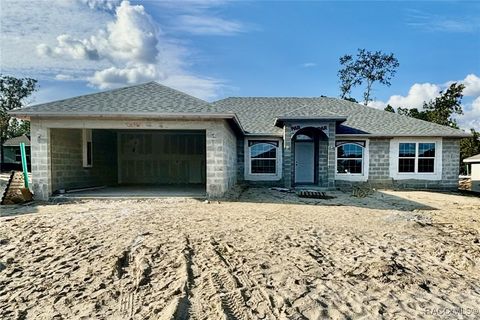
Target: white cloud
417,95
208,25
424,92
309,64
471,116
115,77
441,23
377,104
203,88
106,43
25,24
68,46
64,77
192,6
107,5
131,37
472,85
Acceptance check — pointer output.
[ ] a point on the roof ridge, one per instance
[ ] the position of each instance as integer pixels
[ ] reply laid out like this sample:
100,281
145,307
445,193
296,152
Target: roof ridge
181,92
403,116
115,90
276,97
89,94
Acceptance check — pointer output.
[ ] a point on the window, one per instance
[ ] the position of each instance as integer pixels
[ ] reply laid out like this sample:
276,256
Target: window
18,155
426,157
263,157
87,148
416,157
406,157
350,157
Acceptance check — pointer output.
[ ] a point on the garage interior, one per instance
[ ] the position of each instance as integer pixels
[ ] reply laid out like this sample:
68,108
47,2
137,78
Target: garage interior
136,163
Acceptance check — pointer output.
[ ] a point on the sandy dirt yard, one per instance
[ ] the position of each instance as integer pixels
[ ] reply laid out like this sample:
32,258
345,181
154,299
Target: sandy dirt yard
266,255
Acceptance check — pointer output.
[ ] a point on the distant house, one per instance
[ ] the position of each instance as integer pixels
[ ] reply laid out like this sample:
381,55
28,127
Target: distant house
12,159
150,134
474,171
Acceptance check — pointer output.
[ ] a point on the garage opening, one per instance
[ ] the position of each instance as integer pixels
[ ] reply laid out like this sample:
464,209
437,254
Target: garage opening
161,157
128,163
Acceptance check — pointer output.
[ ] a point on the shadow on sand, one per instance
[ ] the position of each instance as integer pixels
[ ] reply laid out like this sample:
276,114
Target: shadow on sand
15,210
378,200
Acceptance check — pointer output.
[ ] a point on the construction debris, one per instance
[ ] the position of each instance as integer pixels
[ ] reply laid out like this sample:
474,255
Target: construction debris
14,191
313,194
282,189
465,184
362,190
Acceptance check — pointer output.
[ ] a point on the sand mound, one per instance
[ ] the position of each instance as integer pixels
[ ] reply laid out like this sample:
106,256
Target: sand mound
267,255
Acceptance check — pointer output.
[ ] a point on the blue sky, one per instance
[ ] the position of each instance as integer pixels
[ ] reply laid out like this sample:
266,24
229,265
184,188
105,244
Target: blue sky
214,49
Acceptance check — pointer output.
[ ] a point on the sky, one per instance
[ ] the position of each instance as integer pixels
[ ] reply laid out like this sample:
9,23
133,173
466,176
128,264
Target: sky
214,49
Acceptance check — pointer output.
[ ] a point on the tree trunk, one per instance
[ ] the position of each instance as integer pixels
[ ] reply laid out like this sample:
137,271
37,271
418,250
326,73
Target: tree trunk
366,95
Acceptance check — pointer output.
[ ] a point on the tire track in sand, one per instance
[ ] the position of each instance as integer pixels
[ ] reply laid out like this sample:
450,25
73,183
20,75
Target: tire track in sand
248,295
216,286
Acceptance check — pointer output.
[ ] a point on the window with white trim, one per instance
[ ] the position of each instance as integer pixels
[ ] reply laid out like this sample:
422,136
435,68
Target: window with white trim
87,148
263,156
416,157
350,157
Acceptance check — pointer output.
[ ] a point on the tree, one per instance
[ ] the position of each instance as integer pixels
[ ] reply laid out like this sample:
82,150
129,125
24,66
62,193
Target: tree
389,108
13,92
470,146
348,77
441,109
17,128
368,67
413,113
351,99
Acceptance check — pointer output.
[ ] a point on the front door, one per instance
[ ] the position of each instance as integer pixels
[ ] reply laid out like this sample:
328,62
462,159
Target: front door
304,162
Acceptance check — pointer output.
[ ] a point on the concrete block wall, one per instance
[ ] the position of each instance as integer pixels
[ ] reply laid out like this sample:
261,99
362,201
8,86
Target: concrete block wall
67,159
450,163
240,160
379,168
230,156
326,163
323,163
331,155
221,158
379,162
220,139
288,174
450,170
41,168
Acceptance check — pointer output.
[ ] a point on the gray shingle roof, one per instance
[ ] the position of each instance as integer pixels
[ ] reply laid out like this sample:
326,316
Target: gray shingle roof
149,97
15,142
257,115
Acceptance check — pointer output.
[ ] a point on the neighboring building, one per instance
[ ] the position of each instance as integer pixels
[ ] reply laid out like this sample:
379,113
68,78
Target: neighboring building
474,171
151,134
12,159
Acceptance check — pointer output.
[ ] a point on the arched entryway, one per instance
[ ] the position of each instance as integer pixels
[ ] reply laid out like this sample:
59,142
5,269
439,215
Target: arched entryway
310,154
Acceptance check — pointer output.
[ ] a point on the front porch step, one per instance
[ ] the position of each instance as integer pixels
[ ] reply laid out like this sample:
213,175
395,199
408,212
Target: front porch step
313,194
